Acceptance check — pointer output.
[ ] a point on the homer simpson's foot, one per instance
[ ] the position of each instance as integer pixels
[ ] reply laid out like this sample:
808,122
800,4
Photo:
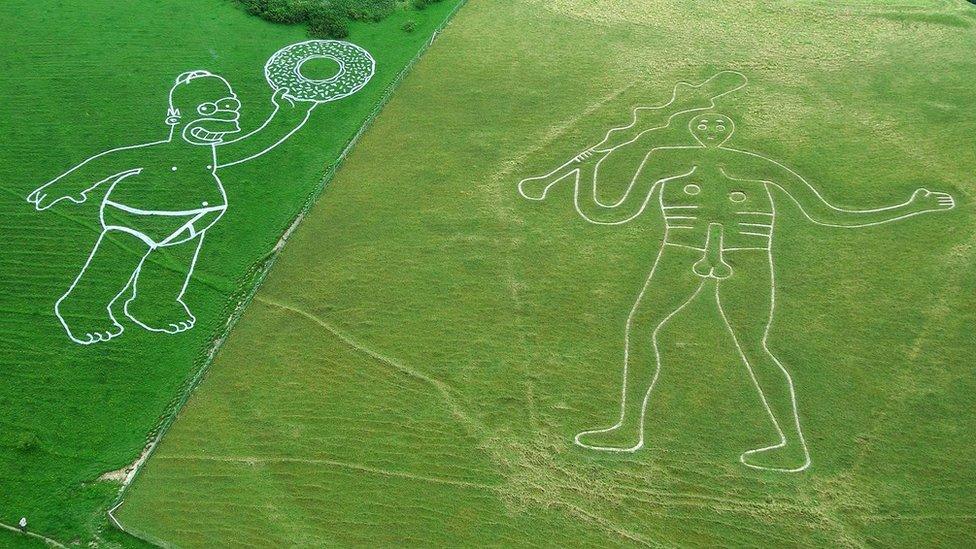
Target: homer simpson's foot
786,458
85,326
622,438
171,317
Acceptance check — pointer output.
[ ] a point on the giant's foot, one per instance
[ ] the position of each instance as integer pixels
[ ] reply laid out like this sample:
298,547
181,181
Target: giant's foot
85,324
171,317
785,458
621,438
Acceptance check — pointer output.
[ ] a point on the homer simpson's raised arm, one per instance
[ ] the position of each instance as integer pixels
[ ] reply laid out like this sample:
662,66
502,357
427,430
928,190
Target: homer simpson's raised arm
286,119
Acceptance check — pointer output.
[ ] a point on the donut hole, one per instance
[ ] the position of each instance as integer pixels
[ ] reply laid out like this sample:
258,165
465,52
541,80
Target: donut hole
319,69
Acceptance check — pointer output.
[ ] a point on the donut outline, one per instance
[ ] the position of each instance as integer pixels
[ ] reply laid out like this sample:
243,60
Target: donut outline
356,68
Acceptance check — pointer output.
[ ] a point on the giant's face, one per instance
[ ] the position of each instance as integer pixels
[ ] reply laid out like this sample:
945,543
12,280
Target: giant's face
711,129
208,109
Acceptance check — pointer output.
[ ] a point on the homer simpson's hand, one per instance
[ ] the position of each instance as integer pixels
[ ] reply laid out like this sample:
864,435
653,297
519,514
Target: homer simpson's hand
289,105
43,198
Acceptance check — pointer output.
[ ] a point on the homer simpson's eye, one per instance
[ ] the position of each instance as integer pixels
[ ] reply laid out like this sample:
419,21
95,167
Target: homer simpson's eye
229,104
206,108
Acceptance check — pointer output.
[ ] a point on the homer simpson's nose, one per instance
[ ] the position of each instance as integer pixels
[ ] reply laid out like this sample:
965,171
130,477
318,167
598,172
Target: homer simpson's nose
230,116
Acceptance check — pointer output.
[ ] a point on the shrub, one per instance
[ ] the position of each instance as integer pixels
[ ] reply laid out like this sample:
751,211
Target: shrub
422,4
28,443
325,18
409,26
328,25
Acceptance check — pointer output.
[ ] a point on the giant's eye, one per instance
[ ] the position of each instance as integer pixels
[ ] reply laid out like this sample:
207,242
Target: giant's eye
720,128
702,127
229,104
207,108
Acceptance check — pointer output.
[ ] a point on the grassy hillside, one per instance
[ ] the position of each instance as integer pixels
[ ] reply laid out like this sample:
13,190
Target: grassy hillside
84,77
418,362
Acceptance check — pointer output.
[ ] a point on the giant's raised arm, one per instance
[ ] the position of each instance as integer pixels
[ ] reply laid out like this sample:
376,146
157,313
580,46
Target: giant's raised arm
634,200
74,184
819,210
286,119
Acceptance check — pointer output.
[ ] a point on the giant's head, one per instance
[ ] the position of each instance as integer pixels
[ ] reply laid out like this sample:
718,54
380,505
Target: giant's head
203,107
711,129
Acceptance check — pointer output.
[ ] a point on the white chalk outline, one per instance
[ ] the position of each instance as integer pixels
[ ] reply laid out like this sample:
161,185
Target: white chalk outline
936,202
224,111
339,51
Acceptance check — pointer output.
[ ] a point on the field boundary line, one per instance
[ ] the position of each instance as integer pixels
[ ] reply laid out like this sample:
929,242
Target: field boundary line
45,539
257,273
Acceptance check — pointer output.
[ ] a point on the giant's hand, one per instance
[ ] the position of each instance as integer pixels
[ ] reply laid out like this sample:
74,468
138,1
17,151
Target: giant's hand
536,188
48,195
924,200
290,106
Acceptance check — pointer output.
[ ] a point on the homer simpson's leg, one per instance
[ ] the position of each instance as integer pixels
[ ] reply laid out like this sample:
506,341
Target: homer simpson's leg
746,301
157,298
85,309
671,285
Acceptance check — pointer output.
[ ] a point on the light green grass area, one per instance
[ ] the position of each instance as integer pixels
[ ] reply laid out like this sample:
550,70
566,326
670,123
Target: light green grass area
84,77
419,360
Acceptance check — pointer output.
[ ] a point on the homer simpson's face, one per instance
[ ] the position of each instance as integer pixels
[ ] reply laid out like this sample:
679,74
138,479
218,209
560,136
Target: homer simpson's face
209,109
711,129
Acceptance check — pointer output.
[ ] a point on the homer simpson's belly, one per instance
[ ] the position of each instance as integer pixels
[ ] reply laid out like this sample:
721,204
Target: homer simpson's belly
170,189
165,207
743,209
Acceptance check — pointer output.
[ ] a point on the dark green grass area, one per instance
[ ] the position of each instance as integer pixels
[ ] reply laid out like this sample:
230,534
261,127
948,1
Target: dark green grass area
330,18
84,77
417,363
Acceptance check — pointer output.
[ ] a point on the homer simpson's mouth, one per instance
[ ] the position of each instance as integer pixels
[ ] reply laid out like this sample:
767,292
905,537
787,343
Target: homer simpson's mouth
204,135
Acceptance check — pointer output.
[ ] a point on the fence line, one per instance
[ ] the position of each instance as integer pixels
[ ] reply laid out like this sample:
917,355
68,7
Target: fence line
45,539
252,280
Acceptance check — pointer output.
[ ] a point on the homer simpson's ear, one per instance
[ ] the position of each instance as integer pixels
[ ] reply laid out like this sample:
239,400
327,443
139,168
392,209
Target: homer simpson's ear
173,117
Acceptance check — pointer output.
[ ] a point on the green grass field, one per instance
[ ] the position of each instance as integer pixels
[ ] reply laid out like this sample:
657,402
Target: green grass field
416,366
83,77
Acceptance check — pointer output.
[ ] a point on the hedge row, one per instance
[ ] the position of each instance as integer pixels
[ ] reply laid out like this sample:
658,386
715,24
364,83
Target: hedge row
325,18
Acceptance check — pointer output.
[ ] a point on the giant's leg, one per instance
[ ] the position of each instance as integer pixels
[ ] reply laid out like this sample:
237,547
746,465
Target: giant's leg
157,298
85,309
746,301
671,285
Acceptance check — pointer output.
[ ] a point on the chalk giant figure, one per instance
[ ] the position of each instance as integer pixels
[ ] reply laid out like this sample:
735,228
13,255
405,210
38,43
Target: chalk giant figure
167,194
718,204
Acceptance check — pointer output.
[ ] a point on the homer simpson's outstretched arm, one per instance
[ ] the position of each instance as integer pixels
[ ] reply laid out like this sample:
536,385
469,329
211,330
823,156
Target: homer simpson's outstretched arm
817,209
634,201
286,119
75,184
